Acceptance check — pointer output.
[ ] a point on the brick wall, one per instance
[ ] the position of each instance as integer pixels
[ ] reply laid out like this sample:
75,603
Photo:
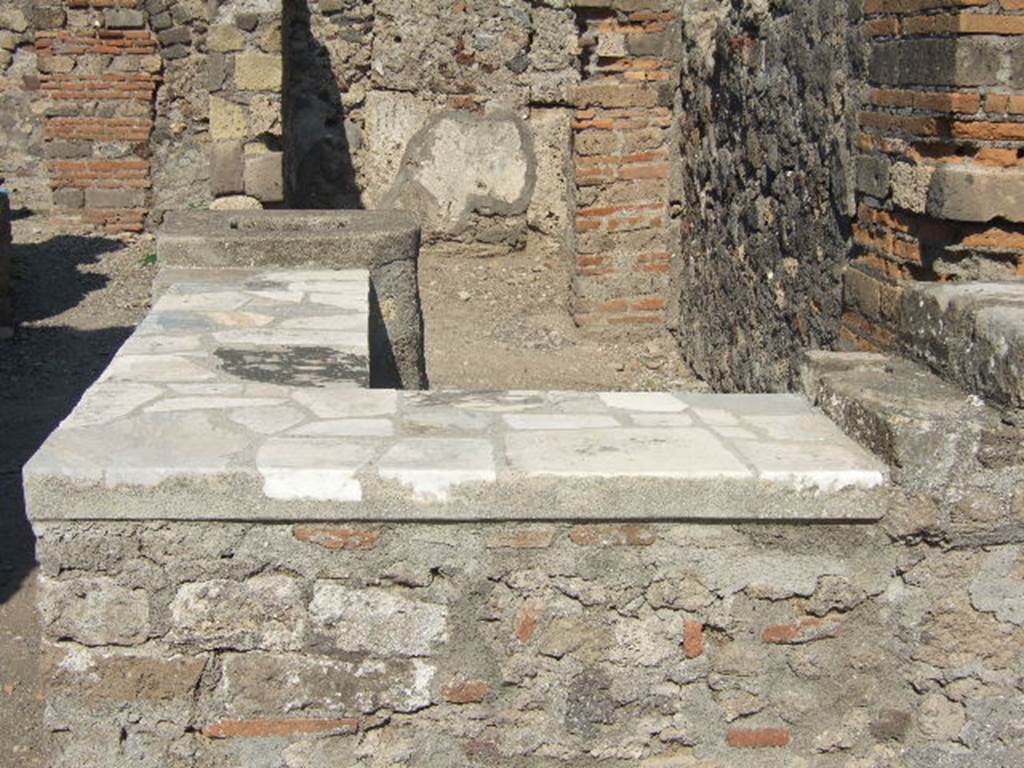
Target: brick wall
99,67
623,157
940,174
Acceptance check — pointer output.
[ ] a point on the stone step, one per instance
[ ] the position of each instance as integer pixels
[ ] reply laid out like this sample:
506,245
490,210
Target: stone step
931,432
971,334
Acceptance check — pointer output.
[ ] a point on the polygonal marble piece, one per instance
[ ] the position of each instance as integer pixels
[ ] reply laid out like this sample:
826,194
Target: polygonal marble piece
156,344
144,449
360,276
283,337
559,421
346,428
432,466
156,368
681,453
809,426
661,419
820,465
433,419
192,301
656,402
267,420
341,403
314,469
101,405
349,322
169,404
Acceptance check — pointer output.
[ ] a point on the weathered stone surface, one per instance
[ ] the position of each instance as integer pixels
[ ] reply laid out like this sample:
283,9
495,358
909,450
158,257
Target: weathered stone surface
258,71
228,121
971,333
226,168
768,179
94,611
261,684
962,193
377,621
459,164
264,612
264,177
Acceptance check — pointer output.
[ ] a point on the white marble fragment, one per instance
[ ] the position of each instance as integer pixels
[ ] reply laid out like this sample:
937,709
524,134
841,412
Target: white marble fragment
559,421
341,403
431,466
813,465
317,469
352,341
227,300
661,419
110,401
267,420
355,321
156,368
653,402
346,428
208,403
627,451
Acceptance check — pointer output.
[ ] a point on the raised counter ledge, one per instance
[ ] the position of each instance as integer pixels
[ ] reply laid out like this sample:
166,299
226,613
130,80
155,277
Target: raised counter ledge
249,402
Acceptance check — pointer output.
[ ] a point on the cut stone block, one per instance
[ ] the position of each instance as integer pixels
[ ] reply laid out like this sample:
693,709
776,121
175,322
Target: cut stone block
264,177
258,71
226,168
964,192
971,334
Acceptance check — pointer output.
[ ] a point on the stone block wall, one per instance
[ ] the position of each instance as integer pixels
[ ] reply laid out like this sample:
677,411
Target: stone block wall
940,174
220,644
246,80
21,130
768,104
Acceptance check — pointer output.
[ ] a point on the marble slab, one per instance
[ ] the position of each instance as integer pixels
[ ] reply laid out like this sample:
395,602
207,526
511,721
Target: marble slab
251,402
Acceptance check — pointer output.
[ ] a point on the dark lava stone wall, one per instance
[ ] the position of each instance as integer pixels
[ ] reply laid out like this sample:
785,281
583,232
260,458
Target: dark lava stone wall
768,100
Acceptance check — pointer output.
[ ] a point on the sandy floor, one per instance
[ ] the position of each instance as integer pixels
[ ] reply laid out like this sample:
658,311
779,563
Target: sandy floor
497,323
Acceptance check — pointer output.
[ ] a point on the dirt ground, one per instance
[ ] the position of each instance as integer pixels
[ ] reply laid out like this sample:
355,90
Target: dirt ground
500,323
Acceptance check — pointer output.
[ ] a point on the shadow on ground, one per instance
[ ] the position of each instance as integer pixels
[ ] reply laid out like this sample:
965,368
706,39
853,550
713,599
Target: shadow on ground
44,370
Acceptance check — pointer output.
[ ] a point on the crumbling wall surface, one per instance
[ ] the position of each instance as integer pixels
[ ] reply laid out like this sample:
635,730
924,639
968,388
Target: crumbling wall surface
458,112
21,128
767,105
940,173
221,644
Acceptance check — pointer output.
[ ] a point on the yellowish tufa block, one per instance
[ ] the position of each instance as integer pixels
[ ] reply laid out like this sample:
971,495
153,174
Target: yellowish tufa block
228,121
258,72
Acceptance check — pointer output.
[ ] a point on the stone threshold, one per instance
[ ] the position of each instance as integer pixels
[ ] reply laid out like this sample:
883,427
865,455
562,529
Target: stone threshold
249,402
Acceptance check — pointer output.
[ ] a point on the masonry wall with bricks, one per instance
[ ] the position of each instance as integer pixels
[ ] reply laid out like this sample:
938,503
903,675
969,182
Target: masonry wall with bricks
99,65
940,169
624,155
